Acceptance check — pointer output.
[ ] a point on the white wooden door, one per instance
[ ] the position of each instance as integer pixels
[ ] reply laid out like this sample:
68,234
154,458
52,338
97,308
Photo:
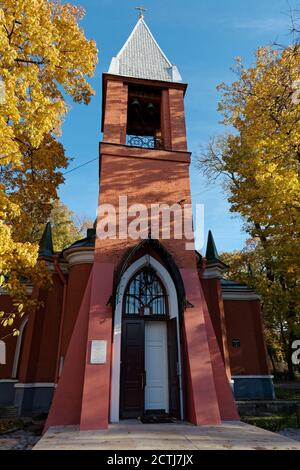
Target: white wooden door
156,366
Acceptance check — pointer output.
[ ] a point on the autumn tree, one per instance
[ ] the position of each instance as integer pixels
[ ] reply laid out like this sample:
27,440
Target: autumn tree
259,165
32,186
44,58
67,227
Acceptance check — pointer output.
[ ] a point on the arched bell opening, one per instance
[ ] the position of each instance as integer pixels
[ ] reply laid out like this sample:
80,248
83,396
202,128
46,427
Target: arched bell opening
144,117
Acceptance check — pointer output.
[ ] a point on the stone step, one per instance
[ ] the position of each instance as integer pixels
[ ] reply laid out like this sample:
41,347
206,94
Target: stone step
8,411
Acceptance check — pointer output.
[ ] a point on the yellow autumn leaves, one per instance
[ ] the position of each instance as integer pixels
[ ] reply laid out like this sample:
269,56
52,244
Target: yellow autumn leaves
44,56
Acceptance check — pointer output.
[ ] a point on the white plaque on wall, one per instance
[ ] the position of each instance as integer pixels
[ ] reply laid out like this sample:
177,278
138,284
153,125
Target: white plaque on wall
98,351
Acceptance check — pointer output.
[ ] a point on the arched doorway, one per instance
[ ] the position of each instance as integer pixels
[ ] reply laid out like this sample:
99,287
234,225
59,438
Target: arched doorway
144,351
146,370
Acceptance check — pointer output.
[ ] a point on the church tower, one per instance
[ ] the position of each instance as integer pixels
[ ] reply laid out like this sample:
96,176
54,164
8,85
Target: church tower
143,342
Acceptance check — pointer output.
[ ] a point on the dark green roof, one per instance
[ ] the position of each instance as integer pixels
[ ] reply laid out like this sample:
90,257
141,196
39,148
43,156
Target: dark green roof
211,249
46,243
212,255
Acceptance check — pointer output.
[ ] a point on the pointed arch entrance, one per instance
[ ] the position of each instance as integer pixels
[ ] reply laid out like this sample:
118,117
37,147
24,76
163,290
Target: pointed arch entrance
146,330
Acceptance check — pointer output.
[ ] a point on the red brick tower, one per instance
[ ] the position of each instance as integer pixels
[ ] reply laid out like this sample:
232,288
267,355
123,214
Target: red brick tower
143,341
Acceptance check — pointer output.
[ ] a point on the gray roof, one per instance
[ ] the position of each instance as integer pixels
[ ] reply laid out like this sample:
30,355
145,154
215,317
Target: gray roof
141,57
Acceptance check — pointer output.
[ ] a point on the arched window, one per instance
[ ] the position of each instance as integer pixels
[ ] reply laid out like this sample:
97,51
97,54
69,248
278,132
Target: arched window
145,295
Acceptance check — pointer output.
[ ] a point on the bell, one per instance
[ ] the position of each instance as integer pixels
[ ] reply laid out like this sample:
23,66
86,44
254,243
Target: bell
151,107
135,103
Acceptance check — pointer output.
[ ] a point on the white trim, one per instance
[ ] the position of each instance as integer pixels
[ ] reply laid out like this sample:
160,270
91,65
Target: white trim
35,385
252,377
155,42
234,295
18,348
8,380
80,256
116,349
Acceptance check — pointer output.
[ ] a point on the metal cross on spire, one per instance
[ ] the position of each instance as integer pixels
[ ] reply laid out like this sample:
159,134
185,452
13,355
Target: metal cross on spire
141,11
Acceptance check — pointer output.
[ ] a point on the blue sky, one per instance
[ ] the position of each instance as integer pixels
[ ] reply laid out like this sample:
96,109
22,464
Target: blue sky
202,37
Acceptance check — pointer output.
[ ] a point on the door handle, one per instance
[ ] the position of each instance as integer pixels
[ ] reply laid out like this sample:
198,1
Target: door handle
143,374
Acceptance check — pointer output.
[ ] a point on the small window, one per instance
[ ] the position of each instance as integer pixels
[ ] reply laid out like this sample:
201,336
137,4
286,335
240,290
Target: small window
145,295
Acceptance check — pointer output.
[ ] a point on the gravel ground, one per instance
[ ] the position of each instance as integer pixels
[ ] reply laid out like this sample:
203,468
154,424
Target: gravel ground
22,438
18,440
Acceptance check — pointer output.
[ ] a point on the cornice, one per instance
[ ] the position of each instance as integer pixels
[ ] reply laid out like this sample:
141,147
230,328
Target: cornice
79,255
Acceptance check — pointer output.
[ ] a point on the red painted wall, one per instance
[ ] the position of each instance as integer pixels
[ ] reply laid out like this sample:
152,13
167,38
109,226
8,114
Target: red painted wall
77,281
213,296
38,360
67,400
243,321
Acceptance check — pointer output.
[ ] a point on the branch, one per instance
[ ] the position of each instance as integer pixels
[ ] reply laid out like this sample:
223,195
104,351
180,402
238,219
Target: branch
29,61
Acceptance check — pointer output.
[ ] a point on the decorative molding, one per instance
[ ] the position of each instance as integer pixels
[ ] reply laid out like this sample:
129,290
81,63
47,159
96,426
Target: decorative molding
35,385
214,271
83,255
246,294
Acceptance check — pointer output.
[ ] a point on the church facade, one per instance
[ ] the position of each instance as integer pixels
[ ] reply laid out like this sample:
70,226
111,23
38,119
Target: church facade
137,327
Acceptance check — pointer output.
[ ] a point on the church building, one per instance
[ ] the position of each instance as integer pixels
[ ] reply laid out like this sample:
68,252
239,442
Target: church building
136,328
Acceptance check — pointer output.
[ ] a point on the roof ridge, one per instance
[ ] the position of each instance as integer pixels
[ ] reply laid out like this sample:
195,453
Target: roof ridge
142,21
155,42
128,39
142,57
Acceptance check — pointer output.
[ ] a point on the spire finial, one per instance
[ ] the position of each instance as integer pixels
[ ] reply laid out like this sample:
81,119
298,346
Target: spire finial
141,11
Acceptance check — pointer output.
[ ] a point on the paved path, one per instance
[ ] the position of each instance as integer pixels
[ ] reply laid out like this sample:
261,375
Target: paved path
133,435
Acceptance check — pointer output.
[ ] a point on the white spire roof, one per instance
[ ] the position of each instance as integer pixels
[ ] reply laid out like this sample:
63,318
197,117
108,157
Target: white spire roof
141,57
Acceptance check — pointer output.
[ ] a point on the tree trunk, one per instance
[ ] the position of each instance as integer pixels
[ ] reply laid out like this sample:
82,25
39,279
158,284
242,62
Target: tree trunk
271,356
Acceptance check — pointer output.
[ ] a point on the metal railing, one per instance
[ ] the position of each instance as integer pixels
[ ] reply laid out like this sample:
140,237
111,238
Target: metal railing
143,141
